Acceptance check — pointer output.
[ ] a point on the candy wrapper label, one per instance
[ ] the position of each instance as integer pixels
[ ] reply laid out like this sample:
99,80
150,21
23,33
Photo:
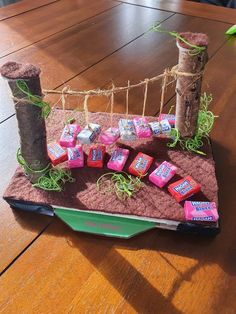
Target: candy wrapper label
155,127
200,211
89,133
69,134
142,128
109,136
162,174
165,126
127,130
162,127
169,117
118,159
75,157
184,188
56,153
140,164
96,156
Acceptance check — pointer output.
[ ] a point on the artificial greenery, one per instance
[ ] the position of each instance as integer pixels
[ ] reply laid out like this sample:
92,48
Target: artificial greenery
195,50
52,179
120,183
205,123
32,99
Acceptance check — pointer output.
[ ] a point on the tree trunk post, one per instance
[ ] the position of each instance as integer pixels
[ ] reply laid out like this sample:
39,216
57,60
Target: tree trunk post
188,88
31,124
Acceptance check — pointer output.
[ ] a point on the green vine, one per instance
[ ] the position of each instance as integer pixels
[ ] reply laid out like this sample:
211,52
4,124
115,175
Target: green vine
204,126
195,50
120,183
52,179
34,100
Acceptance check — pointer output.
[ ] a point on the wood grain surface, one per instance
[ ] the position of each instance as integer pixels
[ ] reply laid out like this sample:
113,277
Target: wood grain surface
155,50
212,12
47,268
22,7
63,14
72,51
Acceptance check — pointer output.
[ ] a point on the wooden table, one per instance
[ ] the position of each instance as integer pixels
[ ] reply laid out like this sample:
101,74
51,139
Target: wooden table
47,268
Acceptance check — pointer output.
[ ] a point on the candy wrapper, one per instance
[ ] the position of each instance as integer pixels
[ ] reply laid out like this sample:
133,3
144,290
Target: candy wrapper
155,127
89,133
75,157
140,164
184,188
142,128
162,174
69,135
162,127
56,153
169,117
96,156
109,136
127,130
118,159
165,126
200,211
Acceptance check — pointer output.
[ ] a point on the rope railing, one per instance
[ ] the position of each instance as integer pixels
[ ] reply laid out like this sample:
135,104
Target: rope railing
173,72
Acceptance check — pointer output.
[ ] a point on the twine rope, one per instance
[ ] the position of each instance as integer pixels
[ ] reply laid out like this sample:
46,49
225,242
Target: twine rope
145,97
112,104
173,72
163,88
127,100
86,109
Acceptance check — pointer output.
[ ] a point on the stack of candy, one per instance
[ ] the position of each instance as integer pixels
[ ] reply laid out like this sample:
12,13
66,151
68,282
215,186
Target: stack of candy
129,130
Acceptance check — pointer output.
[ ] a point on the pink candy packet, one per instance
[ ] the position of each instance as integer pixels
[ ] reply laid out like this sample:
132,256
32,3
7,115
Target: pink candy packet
200,211
69,134
109,136
142,127
162,174
75,157
118,159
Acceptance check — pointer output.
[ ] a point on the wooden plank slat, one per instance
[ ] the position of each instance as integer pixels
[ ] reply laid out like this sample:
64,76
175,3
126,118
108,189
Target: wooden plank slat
44,22
204,10
22,7
92,274
64,55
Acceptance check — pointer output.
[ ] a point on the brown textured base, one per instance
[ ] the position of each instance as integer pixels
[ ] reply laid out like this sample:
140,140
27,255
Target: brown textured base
149,202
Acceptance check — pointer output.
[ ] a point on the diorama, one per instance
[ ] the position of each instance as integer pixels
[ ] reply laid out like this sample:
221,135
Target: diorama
118,174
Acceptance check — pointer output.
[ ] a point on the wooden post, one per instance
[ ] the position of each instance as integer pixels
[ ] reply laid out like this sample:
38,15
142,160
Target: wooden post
31,124
188,88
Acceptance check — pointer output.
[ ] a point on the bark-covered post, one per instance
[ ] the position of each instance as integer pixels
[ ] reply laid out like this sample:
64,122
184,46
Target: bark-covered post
31,123
188,88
